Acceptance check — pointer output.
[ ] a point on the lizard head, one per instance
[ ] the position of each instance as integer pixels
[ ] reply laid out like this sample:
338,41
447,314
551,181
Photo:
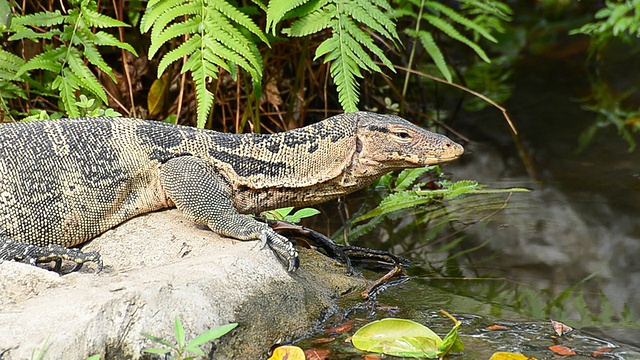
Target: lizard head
388,142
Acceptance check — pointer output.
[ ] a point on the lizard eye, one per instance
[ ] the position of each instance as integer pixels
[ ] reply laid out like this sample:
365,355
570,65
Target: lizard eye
402,134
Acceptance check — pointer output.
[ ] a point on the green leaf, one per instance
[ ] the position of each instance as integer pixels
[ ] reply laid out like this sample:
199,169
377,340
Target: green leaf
451,342
194,350
212,334
397,337
179,333
158,340
301,214
156,351
279,214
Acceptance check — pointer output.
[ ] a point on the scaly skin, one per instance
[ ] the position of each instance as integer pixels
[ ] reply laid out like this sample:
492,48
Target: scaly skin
65,182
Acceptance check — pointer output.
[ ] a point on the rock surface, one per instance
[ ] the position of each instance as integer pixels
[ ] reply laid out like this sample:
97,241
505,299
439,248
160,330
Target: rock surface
159,266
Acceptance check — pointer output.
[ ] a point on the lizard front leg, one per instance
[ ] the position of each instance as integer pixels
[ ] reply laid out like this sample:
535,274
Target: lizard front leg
204,197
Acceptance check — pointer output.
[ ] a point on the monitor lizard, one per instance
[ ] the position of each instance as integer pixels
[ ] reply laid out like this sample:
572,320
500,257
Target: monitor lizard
64,182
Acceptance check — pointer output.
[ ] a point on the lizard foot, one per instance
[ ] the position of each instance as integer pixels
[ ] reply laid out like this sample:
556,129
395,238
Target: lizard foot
283,248
33,254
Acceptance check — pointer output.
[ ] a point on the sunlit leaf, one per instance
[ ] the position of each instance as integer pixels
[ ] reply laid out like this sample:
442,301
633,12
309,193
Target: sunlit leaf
397,337
301,214
451,342
287,353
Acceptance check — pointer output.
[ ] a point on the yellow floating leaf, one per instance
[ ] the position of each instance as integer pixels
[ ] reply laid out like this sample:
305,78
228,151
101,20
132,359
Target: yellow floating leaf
509,356
287,352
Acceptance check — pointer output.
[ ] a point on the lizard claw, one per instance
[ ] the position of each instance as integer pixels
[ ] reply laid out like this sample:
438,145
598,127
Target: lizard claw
283,248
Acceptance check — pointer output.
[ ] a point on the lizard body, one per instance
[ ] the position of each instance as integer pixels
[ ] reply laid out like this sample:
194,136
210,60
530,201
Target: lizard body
64,182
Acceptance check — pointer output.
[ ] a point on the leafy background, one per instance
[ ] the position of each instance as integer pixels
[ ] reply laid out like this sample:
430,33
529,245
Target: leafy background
250,66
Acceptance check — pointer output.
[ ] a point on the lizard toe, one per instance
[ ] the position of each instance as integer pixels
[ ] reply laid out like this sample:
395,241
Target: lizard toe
283,248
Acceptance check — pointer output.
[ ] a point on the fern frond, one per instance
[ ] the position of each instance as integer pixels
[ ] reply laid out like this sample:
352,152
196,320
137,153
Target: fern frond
67,84
220,36
181,12
102,38
372,17
26,33
9,61
346,47
455,34
39,19
155,8
200,71
239,17
211,56
87,79
366,40
232,38
95,19
460,19
49,60
190,26
225,53
9,65
185,49
344,71
277,9
434,52
92,54
312,23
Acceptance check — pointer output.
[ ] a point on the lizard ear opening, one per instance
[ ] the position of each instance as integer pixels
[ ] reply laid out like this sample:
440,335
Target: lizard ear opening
358,145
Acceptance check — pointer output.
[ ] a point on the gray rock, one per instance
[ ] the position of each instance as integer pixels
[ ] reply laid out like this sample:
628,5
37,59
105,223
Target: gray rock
159,266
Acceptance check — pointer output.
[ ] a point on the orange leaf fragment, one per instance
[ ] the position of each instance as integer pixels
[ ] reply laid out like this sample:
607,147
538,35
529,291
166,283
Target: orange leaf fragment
342,328
371,357
323,340
562,350
601,351
317,354
496,327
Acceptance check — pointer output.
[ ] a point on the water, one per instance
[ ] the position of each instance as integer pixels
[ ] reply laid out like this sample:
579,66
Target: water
568,250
